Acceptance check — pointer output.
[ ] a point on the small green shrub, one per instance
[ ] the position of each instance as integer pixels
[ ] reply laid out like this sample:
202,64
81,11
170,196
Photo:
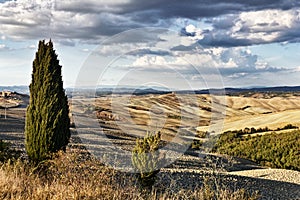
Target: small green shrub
146,158
196,144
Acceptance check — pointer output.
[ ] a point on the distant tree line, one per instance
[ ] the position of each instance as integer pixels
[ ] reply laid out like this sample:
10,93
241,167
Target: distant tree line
279,150
273,150
253,130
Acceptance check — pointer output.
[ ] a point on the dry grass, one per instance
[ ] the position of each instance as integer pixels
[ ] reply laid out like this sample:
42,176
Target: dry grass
250,112
70,176
169,111
65,177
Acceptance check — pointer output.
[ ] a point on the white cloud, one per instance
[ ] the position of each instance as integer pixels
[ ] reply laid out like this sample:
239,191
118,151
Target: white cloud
231,62
193,34
190,28
150,61
265,25
32,46
261,65
237,75
254,27
297,69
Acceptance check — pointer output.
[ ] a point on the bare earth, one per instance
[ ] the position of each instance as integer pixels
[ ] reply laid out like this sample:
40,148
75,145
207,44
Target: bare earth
123,118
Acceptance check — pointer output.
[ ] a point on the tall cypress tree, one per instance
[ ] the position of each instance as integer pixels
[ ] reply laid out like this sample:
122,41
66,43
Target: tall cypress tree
47,121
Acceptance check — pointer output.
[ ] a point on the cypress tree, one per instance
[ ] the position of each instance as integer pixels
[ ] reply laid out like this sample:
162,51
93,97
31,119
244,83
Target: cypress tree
47,117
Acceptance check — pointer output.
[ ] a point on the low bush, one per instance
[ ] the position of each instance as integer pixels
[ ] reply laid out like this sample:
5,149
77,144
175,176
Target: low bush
146,158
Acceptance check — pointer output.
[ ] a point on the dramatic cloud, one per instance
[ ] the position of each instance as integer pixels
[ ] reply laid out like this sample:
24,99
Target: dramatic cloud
21,20
215,34
256,27
235,22
195,9
229,62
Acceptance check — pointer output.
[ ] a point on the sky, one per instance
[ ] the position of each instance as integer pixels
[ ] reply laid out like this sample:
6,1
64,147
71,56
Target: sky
168,43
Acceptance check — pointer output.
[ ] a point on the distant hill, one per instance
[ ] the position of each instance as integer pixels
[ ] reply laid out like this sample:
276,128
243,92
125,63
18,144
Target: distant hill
265,89
227,91
160,90
232,91
14,99
21,89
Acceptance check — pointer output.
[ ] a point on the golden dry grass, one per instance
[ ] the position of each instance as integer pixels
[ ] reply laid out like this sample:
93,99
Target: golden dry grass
186,112
62,178
69,176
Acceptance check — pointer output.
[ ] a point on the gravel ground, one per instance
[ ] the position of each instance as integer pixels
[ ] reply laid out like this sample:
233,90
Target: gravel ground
288,176
268,189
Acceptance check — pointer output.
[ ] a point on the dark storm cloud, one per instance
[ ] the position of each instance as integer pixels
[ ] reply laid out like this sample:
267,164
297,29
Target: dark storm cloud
151,12
195,9
238,71
223,16
139,35
92,19
147,51
175,8
220,40
185,48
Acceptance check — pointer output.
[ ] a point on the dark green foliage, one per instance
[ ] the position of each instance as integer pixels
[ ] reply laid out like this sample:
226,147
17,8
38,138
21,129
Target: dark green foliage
47,121
289,126
3,150
197,143
3,145
260,130
146,158
272,150
6,152
172,116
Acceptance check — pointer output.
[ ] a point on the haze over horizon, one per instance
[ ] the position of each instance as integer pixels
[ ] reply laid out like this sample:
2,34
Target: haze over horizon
190,45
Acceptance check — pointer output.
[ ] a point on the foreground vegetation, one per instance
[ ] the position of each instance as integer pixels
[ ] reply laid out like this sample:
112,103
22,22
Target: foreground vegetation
73,175
278,150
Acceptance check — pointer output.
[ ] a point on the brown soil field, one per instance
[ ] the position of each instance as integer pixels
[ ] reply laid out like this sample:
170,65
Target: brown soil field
184,115
177,116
